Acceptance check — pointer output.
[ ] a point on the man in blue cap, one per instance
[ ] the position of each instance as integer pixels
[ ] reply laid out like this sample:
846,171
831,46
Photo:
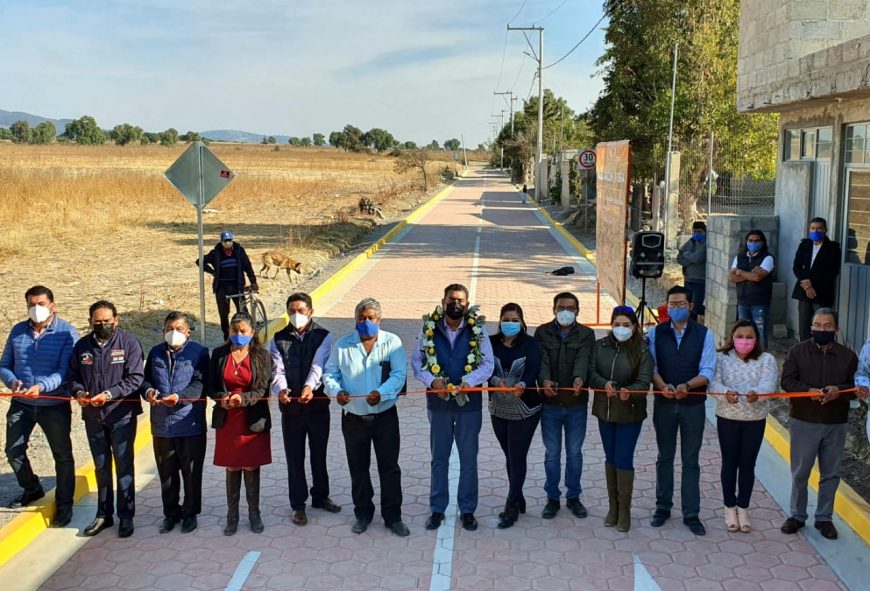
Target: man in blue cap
228,263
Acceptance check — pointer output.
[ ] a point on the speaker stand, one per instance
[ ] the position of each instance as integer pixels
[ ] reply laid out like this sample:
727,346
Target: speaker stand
642,307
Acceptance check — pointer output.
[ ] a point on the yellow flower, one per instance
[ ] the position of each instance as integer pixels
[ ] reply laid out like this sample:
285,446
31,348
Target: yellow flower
467,368
472,344
436,317
435,369
431,350
429,332
471,322
451,387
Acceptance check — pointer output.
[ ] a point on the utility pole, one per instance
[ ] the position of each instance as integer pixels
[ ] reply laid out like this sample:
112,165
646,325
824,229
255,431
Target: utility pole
539,148
510,105
668,211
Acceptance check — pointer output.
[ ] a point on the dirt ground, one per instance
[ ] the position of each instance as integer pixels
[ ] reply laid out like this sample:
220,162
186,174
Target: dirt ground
101,223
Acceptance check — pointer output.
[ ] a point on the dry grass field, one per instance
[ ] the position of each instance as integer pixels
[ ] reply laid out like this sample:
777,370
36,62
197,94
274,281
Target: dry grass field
102,222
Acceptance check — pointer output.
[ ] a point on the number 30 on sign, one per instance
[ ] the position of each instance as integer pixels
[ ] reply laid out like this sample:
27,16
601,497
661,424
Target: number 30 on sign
587,159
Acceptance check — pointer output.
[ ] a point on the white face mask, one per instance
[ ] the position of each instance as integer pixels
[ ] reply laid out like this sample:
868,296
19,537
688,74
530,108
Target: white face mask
622,333
38,314
565,317
174,338
298,320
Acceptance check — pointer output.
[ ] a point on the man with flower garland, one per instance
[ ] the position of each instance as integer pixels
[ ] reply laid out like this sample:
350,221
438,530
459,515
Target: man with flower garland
453,354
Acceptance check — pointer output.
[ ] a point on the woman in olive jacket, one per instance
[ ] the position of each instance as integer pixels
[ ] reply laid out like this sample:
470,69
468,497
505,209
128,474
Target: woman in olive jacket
240,372
621,363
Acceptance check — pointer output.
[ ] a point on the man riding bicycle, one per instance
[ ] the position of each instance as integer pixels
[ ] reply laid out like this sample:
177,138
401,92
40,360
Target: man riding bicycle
228,263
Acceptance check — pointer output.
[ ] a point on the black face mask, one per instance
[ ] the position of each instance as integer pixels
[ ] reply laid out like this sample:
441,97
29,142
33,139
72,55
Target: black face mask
454,311
104,332
824,337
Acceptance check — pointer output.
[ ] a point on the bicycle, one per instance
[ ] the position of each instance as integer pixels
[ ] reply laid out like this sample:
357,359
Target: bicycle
253,306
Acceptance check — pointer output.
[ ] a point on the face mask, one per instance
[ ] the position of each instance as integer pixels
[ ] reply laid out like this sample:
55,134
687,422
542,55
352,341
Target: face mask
817,236
38,314
510,329
104,332
367,328
175,338
298,320
824,337
454,311
228,244
678,315
698,237
240,340
622,333
744,346
753,246
565,317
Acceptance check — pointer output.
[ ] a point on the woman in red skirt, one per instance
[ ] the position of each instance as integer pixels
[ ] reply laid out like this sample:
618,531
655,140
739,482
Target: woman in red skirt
239,375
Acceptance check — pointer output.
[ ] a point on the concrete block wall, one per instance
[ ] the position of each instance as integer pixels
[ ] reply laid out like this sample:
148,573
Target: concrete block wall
725,234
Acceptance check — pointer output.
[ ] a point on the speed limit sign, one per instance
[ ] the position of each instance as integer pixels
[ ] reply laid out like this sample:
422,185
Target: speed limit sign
587,159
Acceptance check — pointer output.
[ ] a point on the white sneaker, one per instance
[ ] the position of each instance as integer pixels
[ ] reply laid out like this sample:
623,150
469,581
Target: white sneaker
743,520
731,519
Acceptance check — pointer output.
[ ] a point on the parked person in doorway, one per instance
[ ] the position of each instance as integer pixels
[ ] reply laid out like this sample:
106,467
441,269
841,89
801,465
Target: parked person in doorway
818,425
743,371
752,271
299,354
566,346
228,263
240,372
366,371
816,268
620,370
35,364
515,415
106,371
684,361
175,374
693,257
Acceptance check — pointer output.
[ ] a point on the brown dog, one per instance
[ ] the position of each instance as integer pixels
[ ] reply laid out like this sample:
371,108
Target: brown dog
280,261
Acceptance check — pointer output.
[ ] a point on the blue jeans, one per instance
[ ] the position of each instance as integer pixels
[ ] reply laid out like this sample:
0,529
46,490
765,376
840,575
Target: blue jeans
760,315
669,418
619,441
445,428
699,292
555,420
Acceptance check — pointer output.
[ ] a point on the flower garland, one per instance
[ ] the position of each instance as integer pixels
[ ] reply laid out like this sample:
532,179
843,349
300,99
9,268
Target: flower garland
475,355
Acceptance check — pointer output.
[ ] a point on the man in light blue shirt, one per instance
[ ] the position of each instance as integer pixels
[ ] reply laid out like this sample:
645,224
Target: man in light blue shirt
365,373
862,377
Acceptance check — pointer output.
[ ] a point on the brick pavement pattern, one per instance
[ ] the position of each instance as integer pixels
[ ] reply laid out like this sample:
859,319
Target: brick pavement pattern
516,252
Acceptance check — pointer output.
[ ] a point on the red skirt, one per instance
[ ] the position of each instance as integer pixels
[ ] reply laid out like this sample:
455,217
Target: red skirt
236,446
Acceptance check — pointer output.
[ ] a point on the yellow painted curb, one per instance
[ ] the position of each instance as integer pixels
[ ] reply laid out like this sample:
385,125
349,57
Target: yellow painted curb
848,504
18,533
281,322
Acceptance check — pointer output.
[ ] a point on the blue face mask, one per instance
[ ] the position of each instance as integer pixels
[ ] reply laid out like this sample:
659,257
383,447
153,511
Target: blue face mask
817,236
367,328
240,340
510,329
678,315
753,246
698,237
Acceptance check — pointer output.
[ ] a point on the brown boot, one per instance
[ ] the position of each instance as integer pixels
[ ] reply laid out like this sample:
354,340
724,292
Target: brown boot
612,512
625,488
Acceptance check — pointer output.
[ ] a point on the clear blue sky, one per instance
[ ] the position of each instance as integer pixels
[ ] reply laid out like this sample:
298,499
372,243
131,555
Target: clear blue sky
423,70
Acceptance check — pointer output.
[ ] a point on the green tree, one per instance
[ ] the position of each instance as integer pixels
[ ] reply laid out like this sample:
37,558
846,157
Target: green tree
5,134
192,136
294,141
319,139
409,145
337,139
379,139
169,137
21,132
125,134
452,144
353,138
433,145
305,142
44,133
85,131
270,140
410,160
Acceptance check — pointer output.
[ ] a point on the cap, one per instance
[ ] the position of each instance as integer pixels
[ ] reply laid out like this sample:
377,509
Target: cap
226,235
699,226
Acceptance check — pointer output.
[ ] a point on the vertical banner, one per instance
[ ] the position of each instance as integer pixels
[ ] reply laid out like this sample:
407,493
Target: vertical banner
612,165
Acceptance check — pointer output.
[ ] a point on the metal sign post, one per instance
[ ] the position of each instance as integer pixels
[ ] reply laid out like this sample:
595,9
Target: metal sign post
199,176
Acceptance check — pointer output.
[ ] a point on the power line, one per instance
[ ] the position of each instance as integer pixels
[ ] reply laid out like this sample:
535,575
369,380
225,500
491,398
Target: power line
523,5
532,87
519,72
585,37
552,12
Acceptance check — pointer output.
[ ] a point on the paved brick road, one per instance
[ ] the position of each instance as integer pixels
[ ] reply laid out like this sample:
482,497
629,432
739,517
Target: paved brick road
515,252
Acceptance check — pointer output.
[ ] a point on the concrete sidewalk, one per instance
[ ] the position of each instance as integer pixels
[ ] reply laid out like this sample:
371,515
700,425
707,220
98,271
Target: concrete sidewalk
482,236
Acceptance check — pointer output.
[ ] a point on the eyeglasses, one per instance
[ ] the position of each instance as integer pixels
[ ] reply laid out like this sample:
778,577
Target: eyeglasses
623,310
675,305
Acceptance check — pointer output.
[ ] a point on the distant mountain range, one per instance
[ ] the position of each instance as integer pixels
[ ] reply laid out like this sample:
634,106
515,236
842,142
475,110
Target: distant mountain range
7,118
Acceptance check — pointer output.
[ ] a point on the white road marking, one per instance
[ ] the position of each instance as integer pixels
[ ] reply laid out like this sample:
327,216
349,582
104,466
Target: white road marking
243,571
643,581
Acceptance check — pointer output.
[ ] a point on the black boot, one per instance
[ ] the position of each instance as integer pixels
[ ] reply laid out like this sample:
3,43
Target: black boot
234,489
252,494
510,515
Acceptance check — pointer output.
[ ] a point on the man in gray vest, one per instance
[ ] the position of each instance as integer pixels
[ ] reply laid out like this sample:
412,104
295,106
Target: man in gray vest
299,353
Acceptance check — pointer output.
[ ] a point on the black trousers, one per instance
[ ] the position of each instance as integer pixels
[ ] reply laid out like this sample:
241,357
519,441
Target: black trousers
805,317
180,461
515,438
110,442
56,422
315,428
380,431
740,442
223,305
